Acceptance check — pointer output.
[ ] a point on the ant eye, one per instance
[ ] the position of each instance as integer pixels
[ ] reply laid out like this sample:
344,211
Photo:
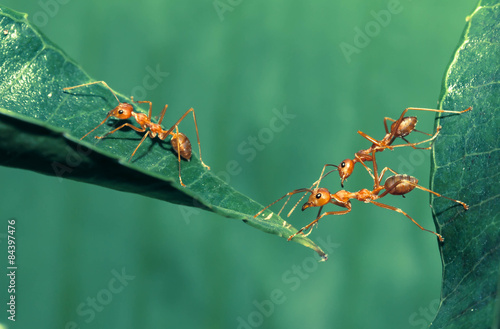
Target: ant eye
342,164
120,112
318,196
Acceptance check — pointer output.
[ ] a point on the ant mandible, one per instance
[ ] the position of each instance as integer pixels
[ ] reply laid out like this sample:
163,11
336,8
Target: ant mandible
399,129
180,143
399,184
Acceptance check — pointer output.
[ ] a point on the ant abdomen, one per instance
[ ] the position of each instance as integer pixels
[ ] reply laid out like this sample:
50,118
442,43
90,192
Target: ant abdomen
400,184
406,126
181,145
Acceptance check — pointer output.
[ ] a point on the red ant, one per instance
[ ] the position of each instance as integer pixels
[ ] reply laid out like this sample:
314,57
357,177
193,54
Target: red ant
399,129
180,143
396,185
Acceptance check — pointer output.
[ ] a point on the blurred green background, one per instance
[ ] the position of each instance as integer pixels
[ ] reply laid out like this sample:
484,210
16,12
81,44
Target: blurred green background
237,63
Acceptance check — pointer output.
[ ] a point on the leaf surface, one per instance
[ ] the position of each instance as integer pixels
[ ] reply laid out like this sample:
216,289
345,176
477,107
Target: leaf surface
41,127
465,166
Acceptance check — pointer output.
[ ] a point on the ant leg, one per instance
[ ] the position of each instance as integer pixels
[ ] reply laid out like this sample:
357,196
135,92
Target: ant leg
305,228
413,144
142,140
195,125
103,121
421,142
93,83
150,107
378,177
178,153
289,194
466,207
162,114
198,138
381,205
401,117
387,129
434,110
366,167
374,141
383,172
422,132
140,130
391,134
308,227
314,185
405,181
385,124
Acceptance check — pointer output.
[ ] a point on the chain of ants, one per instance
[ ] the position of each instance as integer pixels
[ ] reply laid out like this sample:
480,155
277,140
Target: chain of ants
399,184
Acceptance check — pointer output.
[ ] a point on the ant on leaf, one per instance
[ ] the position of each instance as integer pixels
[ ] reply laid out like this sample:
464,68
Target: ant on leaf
123,111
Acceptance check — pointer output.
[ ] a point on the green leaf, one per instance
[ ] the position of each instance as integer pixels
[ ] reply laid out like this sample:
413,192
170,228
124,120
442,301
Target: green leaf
41,127
466,167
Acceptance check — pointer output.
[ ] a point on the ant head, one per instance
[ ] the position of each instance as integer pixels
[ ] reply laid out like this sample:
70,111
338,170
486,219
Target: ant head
318,198
345,169
122,111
